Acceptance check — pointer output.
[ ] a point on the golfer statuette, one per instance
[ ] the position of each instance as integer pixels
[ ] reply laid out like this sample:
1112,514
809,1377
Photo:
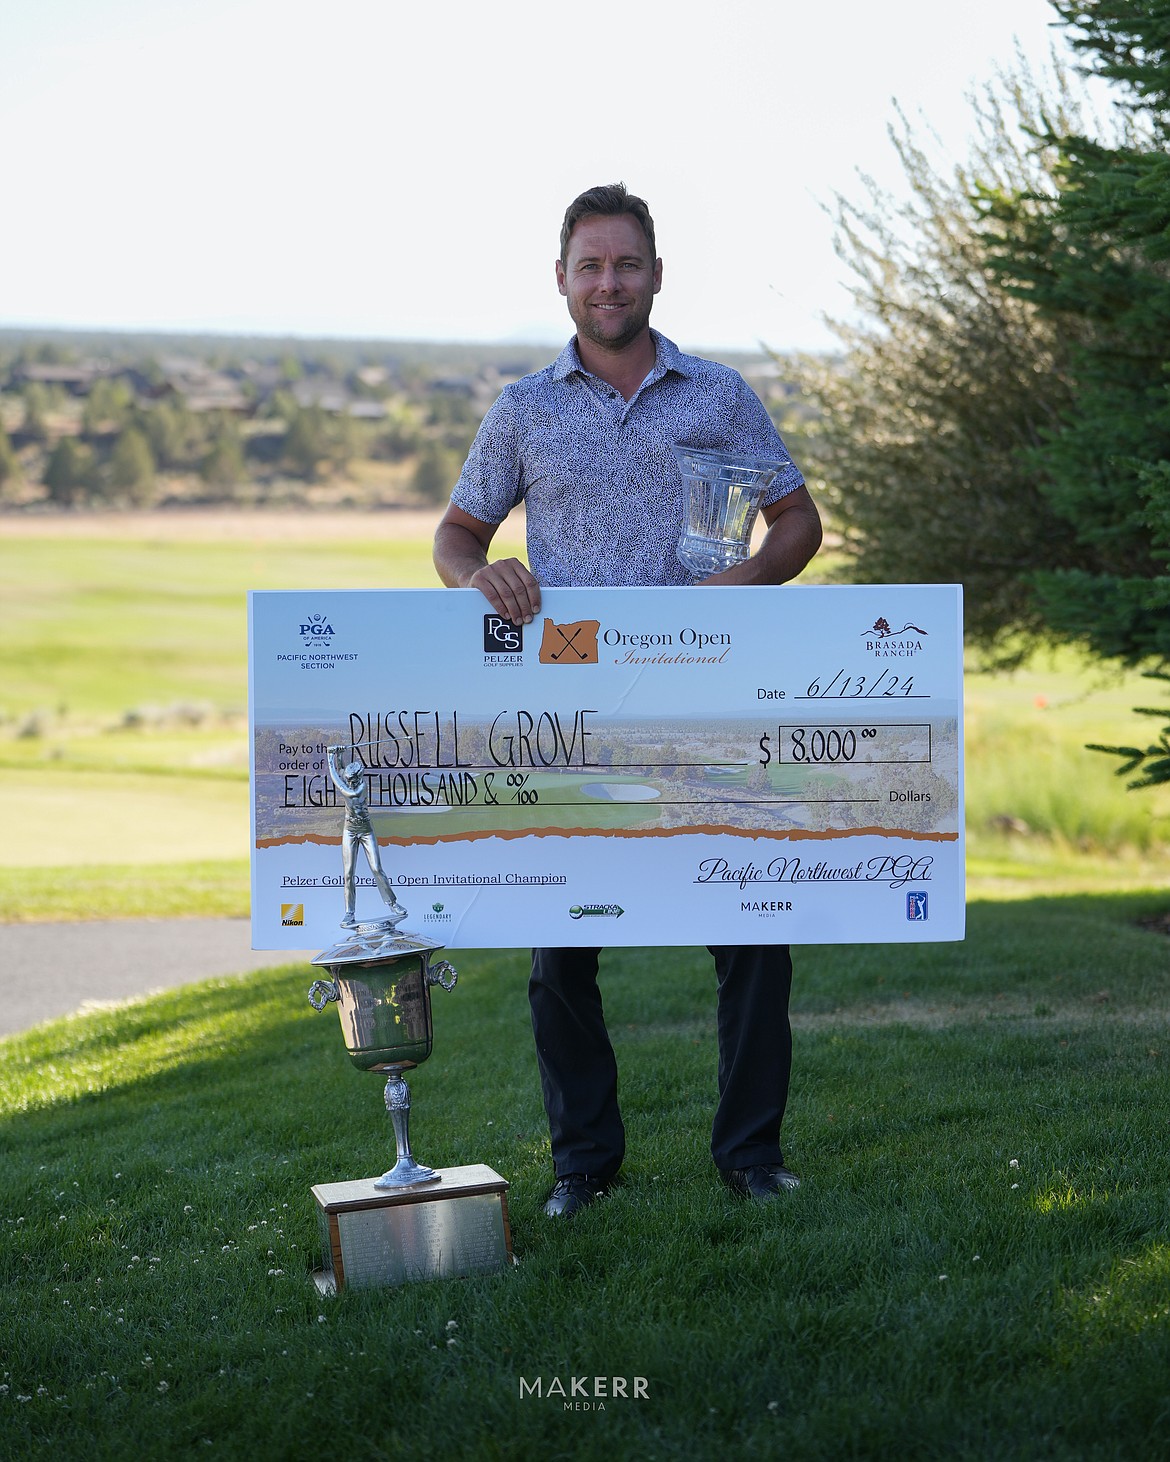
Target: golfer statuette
413,1222
358,832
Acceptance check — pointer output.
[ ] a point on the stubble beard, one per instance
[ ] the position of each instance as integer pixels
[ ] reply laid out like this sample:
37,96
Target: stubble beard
635,323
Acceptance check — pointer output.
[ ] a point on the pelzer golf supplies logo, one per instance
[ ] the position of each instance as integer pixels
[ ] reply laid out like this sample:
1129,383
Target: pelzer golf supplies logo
502,636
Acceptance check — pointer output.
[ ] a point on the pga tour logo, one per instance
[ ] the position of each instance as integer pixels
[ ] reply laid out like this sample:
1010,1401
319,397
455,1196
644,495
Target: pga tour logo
916,906
502,636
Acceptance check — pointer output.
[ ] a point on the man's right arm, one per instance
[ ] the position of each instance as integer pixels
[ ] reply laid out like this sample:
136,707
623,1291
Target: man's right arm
461,559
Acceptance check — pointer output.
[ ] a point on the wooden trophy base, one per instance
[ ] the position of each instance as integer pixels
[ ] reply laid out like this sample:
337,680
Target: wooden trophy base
373,1237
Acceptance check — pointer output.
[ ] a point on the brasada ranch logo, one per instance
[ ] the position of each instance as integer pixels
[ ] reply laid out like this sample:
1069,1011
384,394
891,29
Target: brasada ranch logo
885,643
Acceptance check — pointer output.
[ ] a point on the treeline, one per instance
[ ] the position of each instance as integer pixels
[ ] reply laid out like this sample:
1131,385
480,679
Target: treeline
1001,414
131,420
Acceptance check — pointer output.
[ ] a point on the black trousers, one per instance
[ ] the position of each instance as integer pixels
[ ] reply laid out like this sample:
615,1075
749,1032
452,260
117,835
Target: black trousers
578,1071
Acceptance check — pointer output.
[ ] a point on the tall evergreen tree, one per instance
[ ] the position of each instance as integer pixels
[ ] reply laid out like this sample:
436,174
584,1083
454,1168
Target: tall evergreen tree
947,381
1094,259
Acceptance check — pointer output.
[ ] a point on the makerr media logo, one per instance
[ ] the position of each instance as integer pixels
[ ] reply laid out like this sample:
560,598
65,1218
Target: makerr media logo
584,1393
316,631
292,916
916,906
502,636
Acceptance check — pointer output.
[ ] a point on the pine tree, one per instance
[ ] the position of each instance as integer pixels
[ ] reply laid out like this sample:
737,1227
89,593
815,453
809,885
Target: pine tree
948,381
1093,258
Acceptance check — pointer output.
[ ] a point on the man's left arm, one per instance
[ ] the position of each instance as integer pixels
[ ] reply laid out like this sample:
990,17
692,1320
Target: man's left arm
793,537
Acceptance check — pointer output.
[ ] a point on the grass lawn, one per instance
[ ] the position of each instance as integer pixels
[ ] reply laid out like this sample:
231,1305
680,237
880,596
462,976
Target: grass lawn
976,1267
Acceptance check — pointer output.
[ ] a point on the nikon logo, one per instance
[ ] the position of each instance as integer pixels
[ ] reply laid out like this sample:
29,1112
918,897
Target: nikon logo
292,916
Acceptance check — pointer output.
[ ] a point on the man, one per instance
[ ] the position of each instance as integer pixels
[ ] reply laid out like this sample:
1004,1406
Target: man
586,445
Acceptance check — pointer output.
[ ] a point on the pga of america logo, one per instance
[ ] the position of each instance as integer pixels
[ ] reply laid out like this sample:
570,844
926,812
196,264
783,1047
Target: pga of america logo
316,631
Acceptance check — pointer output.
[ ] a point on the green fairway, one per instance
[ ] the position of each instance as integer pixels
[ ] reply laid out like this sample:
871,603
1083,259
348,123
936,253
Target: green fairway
976,1266
101,626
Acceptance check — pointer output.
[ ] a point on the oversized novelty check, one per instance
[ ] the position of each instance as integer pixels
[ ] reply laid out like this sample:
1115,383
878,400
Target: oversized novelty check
637,766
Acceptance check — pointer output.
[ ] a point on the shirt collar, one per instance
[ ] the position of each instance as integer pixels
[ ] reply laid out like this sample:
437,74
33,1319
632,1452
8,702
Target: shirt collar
668,357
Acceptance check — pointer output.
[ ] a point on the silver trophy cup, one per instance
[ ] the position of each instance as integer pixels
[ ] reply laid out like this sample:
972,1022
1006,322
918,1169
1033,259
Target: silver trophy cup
382,989
724,493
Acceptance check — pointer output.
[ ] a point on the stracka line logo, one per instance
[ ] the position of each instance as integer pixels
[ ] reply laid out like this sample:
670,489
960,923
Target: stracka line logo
586,911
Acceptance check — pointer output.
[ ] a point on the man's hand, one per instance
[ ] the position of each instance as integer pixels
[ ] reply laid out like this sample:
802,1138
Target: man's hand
461,545
510,589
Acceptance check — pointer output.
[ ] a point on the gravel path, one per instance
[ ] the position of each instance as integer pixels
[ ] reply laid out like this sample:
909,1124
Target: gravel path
47,970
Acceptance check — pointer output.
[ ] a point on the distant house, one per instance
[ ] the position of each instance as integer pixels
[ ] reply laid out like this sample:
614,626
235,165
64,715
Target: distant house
201,388
76,379
326,393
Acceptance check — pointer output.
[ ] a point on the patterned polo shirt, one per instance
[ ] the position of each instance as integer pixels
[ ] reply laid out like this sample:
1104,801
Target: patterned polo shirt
597,474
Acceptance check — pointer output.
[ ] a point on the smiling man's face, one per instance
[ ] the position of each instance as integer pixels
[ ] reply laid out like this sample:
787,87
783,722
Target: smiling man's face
609,279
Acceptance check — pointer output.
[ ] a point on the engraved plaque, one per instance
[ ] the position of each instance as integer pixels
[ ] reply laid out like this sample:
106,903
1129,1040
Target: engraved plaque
373,1237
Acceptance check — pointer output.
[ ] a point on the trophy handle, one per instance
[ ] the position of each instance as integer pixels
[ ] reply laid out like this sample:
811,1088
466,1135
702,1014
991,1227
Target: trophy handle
321,992
438,974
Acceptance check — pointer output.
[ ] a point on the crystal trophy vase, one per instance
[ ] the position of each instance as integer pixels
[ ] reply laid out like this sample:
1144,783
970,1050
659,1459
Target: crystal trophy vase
723,496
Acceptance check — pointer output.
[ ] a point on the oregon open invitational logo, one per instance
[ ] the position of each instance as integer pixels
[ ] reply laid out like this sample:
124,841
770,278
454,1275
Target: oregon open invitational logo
569,644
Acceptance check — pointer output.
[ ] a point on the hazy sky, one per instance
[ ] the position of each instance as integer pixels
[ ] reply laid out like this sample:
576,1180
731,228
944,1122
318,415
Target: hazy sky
371,168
